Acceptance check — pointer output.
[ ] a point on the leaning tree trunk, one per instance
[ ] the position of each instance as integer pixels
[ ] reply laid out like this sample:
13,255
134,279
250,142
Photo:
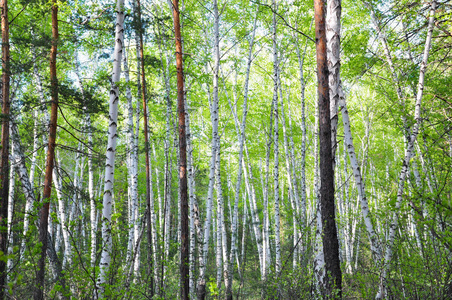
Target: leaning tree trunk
234,226
111,152
409,152
333,284
44,214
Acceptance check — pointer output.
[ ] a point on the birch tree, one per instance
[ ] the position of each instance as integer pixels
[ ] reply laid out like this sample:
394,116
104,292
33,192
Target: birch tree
110,154
409,152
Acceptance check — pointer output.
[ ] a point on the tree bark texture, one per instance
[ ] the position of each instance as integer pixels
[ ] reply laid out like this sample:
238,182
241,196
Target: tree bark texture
185,241
333,278
111,153
4,172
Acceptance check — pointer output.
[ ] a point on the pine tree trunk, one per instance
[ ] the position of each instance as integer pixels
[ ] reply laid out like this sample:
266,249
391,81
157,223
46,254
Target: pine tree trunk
4,171
333,284
44,214
185,239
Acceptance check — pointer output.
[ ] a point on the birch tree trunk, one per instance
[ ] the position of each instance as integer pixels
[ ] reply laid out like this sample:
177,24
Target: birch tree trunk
234,225
276,148
131,163
192,200
12,185
214,117
333,33
319,259
110,153
89,130
63,220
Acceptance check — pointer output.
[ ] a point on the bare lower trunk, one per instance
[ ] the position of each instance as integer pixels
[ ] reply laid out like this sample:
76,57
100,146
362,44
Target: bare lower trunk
110,154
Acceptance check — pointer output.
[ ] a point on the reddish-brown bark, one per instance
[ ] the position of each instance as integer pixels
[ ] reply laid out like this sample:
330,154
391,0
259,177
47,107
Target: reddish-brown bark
44,215
333,280
185,243
146,141
4,172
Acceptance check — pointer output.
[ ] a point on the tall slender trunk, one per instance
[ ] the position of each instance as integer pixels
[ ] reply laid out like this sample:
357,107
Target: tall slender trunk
276,147
110,153
44,214
64,221
146,140
12,185
240,161
191,191
131,163
4,172
292,180
93,210
214,117
333,285
185,239
255,221
89,130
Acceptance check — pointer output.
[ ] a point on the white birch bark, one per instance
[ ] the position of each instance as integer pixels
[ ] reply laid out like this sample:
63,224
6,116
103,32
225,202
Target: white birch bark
21,170
292,182
255,221
12,185
408,154
214,119
111,152
153,226
36,118
319,259
276,148
191,193
63,218
93,210
348,140
333,33
93,221
303,132
337,98
131,162
234,225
